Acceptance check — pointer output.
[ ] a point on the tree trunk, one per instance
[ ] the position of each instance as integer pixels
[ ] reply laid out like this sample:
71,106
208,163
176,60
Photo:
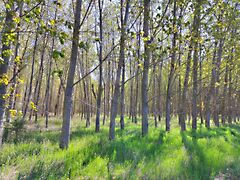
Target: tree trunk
145,68
37,89
216,98
28,97
6,46
154,94
195,64
114,105
224,95
99,94
135,111
172,69
49,82
183,112
211,89
122,97
67,106
14,81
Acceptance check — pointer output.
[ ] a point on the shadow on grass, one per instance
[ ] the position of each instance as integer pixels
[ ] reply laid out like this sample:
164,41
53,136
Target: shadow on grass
54,170
51,136
132,149
129,147
197,167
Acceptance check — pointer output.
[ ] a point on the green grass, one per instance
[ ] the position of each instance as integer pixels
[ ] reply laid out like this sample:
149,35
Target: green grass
203,154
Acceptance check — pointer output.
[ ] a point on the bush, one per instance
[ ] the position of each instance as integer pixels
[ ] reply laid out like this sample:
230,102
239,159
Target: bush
13,129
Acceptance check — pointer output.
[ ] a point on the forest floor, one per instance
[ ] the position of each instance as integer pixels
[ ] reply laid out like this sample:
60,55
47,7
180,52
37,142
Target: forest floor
204,154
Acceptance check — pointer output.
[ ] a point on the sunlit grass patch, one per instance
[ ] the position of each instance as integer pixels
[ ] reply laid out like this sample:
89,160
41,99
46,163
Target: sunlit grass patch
201,154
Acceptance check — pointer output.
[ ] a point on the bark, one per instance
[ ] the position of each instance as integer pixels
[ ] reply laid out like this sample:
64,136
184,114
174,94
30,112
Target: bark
171,74
114,104
37,89
230,91
154,94
135,111
200,88
67,107
183,113
211,89
88,94
8,26
145,67
14,80
122,97
224,95
160,92
179,66
28,97
131,91
56,107
195,64
49,82
99,94
216,93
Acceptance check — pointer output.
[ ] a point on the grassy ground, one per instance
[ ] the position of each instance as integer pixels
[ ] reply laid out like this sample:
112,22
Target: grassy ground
204,154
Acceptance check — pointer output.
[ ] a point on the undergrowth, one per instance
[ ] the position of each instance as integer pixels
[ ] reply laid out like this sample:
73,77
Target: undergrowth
201,154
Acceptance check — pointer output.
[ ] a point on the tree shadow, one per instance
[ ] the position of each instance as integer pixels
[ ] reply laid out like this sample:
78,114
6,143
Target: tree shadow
39,171
133,150
52,136
129,147
197,167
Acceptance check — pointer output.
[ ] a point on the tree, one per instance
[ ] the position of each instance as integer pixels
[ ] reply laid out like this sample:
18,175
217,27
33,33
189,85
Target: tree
145,67
195,62
6,55
172,69
114,105
67,107
99,95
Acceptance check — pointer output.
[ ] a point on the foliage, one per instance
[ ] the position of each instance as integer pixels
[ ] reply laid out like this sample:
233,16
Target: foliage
14,129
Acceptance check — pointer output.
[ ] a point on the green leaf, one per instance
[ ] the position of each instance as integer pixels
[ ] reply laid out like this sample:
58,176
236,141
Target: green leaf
8,6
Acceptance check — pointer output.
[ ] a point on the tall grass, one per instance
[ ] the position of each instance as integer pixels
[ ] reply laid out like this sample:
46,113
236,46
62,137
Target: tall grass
201,154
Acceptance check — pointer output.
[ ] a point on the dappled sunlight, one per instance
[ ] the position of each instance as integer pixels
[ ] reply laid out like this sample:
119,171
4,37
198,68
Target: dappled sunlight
192,154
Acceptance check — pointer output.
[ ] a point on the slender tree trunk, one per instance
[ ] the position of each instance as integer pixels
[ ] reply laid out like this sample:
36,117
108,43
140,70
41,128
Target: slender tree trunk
145,68
171,74
179,65
56,108
99,95
17,91
131,91
88,94
122,97
114,105
211,89
200,88
37,89
230,90
216,98
6,46
31,76
195,64
49,82
14,81
154,94
137,75
160,92
67,107
224,95
104,103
